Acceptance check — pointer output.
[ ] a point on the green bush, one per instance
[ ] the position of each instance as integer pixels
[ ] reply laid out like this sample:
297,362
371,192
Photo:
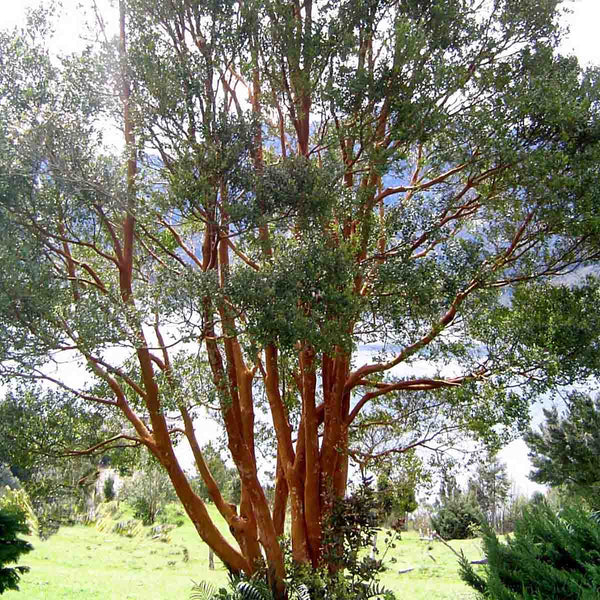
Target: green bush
12,523
7,479
18,500
458,518
347,531
147,492
550,555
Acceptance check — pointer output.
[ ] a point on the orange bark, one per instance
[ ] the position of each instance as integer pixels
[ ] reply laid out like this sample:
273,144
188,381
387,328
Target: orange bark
312,499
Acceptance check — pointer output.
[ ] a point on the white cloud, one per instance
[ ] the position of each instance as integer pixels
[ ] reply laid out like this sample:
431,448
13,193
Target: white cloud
583,37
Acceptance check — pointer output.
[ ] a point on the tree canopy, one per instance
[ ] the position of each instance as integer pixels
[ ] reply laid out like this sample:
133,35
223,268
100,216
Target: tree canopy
312,200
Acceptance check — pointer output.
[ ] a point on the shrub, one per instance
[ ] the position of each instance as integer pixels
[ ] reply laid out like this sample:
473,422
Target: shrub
550,555
347,531
12,523
7,479
111,519
18,500
458,518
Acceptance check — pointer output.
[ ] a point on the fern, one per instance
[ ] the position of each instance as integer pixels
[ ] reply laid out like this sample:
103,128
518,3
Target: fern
240,588
299,592
253,590
376,590
203,591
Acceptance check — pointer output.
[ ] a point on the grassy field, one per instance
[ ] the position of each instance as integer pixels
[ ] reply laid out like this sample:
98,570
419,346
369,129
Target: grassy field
81,563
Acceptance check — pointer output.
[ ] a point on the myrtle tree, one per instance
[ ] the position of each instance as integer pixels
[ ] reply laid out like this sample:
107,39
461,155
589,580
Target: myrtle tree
311,200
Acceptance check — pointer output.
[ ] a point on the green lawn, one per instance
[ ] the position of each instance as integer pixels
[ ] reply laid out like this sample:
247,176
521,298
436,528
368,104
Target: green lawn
80,563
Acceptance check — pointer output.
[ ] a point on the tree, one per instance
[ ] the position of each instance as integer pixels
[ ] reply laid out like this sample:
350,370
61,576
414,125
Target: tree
458,517
566,449
148,491
396,495
490,486
300,182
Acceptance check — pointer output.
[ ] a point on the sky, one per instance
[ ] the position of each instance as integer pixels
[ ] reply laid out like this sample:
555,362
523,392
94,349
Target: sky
582,41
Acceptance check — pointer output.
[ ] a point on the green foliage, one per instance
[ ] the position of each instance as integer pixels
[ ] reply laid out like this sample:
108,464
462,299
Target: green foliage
7,479
558,322
490,488
38,428
109,489
240,588
566,449
203,590
18,501
352,574
172,514
396,495
12,523
458,517
226,477
550,555
112,518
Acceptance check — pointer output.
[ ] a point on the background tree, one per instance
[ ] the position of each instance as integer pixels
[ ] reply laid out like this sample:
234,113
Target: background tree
148,491
396,494
491,486
566,449
457,517
313,199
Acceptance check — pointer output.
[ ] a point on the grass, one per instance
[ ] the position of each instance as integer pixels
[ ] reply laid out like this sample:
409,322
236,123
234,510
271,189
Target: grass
81,563
435,569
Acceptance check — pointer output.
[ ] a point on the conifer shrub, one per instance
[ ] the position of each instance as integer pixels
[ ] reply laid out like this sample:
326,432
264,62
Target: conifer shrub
12,523
550,555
